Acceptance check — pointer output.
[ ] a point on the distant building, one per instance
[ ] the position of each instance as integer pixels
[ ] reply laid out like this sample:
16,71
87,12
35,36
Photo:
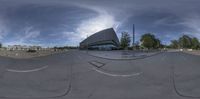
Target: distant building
102,40
23,47
35,47
17,47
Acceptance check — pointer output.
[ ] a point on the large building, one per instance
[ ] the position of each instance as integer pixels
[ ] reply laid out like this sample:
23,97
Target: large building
102,40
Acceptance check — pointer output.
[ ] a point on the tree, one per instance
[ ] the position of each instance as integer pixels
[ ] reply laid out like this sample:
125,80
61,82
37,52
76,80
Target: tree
195,43
125,40
157,44
137,45
174,44
0,45
185,41
150,41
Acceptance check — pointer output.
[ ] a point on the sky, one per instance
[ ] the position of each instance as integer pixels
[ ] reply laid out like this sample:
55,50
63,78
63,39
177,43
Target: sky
68,22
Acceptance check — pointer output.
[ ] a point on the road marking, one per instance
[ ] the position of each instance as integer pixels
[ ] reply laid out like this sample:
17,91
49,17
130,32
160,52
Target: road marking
116,75
184,58
25,71
163,58
97,64
79,57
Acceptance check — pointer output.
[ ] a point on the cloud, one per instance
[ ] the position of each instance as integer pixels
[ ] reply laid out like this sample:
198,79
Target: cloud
72,38
102,20
30,33
69,22
46,23
193,23
26,37
90,26
3,29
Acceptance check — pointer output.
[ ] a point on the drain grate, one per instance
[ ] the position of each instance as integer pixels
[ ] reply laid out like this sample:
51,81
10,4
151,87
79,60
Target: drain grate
97,64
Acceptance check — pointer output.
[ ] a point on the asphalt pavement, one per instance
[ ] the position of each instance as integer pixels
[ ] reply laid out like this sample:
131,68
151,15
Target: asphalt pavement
77,75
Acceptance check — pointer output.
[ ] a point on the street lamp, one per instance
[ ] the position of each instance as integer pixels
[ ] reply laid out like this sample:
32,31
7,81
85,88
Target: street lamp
87,44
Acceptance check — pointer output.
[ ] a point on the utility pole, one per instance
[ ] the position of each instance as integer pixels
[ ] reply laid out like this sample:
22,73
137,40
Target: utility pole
133,43
87,44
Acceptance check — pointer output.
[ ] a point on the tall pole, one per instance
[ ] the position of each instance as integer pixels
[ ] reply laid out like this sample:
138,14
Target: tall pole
133,35
87,43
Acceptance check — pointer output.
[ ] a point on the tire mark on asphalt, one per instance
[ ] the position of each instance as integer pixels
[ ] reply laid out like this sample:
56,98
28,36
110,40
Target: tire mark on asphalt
69,85
50,97
174,83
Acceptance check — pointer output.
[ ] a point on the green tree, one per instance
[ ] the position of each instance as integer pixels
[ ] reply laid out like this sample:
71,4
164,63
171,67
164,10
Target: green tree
195,43
157,43
150,41
137,45
0,45
174,44
185,41
125,40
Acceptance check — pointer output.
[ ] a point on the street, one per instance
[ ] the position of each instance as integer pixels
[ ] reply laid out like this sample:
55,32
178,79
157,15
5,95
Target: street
78,75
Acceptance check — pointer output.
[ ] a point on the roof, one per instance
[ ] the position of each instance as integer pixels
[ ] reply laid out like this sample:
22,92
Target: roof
101,37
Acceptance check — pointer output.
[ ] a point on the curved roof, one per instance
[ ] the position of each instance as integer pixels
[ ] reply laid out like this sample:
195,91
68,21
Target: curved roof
107,36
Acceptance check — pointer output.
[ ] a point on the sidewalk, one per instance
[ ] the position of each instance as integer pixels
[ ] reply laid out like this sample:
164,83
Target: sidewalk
194,52
121,55
24,55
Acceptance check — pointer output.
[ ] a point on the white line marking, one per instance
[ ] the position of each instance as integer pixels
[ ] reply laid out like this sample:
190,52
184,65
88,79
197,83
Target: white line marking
25,71
184,58
116,75
163,58
79,56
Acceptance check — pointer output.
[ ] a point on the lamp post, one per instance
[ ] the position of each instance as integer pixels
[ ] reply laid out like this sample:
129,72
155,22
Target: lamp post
87,44
182,42
133,35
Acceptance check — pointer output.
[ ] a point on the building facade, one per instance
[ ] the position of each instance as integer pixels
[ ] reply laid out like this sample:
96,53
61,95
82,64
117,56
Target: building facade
102,40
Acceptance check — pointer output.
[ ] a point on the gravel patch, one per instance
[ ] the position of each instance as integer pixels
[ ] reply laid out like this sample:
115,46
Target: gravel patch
24,54
195,52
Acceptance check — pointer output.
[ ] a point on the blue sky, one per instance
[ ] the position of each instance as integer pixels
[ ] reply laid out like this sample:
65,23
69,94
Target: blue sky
67,22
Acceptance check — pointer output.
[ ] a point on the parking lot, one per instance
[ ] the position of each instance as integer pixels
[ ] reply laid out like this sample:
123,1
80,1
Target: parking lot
78,75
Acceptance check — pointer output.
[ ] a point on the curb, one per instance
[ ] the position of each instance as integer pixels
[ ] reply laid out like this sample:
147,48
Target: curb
127,58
